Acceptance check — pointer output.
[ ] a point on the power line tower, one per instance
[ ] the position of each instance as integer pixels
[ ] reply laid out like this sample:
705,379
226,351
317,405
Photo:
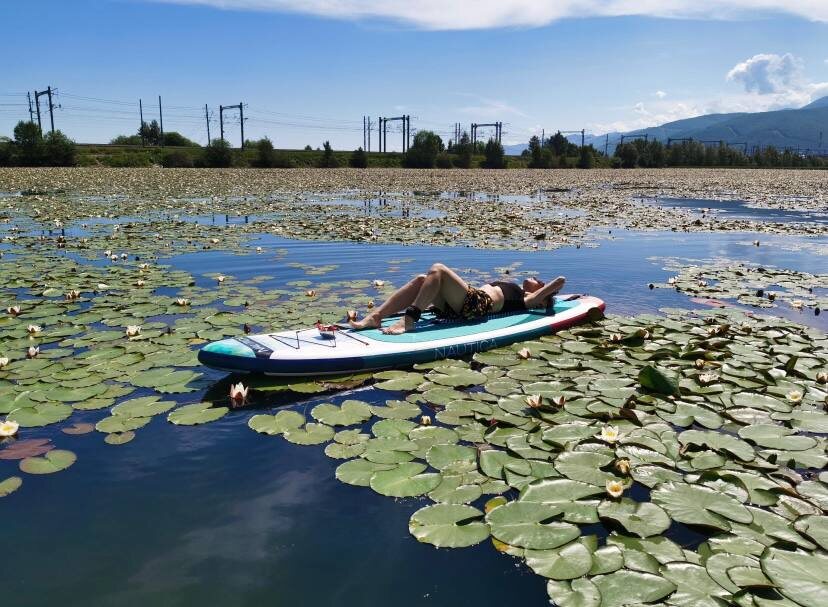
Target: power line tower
575,132
161,119
207,119
240,107
38,94
31,109
383,132
498,131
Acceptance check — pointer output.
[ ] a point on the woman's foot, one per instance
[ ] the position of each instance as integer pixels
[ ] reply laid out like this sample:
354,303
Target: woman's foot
404,324
369,322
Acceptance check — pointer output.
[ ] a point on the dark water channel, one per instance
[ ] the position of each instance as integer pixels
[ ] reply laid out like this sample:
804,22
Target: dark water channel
219,515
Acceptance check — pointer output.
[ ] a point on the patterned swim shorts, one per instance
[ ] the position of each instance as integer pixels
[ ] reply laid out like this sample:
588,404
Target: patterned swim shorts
476,303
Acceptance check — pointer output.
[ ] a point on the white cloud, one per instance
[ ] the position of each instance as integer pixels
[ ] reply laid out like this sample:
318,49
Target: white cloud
660,94
481,14
770,82
767,73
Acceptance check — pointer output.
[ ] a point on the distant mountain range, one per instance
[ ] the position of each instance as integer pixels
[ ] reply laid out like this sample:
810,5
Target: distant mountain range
804,128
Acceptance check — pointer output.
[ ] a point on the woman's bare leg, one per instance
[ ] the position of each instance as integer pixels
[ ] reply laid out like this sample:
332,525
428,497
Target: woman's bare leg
399,300
440,284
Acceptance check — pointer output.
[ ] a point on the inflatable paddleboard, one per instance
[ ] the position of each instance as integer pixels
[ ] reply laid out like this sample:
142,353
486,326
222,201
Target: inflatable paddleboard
329,351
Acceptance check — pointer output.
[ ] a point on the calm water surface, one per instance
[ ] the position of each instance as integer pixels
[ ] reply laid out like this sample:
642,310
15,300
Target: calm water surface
221,515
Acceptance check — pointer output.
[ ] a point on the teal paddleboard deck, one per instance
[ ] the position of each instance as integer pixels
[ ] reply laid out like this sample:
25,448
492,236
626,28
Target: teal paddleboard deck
310,353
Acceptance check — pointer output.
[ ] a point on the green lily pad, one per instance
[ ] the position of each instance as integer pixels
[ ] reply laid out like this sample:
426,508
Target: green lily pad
448,525
799,576
640,518
196,413
405,480
51,462
10,485
278,423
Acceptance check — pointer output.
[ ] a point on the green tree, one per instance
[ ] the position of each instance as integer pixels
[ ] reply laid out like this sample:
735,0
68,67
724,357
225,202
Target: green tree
536,153
628,153
176,139
328,160
126,140
265,155
424,150
358,159
150,133
218,154
28,144
59,150
495,157
464,152
586,159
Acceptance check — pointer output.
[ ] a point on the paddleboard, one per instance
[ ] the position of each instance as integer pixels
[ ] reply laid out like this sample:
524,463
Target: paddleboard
314,352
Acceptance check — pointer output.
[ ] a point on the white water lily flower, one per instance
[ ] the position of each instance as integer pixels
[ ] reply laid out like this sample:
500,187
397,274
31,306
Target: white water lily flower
238,392
352,315
795,396
113,257
425,420
34,329
182,301
139,283
672,280
124,256
8,428
379,283
221,278
370,304
102,286
524,353
133,330
623,466
33,351
13,310
822,377
707,378
609,434
258,249
143,266
107,253
797,304
534,400
4,361
615,488
214,240
72,295
616,337
558,400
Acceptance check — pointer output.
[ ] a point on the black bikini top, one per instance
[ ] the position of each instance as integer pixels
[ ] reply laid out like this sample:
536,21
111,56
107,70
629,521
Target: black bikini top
512,296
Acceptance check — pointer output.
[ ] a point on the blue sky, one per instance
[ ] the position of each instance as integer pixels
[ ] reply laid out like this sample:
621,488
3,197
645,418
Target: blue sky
309,71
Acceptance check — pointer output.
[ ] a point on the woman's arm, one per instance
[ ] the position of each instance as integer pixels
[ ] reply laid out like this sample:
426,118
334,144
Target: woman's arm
539,298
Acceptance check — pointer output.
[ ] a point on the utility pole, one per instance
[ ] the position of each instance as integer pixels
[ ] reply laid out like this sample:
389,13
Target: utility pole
379,135
606,145
141,113
543,136
161,119
31,110
37,105
51,108
364,126
240,107
207,119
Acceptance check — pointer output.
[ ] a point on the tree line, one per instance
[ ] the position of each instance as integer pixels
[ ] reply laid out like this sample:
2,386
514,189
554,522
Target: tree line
30,147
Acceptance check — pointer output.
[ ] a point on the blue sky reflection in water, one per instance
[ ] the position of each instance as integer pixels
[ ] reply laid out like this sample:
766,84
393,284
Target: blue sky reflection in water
221,515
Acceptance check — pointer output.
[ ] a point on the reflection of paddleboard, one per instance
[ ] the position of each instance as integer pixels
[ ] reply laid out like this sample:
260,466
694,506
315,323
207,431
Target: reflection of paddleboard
308,352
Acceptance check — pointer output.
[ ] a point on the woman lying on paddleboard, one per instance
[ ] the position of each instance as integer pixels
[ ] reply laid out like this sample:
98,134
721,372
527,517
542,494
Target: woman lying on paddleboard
443,292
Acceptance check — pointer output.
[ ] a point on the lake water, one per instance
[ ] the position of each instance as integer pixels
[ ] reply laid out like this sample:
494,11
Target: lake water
221,515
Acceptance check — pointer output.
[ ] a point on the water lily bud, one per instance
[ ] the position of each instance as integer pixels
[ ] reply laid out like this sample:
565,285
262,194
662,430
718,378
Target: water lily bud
352,314
534,400
214,240
370,304
822,377
32,352
8,428
238,393
795,396
771,296
622,466
702,283
609,434
615,488
72,295
379,283
4,361
139,283
133,330
558,400
524,353
425,420
220,278
258,249
310,293
34,329
107,253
